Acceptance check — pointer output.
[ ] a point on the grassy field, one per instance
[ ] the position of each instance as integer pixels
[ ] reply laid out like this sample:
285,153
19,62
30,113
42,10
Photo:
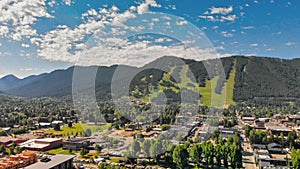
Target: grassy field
230,88
79,128
208,92
226,95
61,151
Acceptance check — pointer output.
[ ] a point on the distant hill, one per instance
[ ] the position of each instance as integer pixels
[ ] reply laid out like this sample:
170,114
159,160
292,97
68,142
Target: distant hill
7,81
10,81
247,78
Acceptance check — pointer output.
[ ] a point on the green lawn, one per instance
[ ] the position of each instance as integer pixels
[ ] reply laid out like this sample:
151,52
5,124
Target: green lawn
61,151
79,128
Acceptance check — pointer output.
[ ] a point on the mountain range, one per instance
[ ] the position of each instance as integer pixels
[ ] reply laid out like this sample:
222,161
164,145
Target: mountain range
250,77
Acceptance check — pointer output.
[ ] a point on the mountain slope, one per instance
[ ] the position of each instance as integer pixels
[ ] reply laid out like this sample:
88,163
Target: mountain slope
246,78
8,81
266,77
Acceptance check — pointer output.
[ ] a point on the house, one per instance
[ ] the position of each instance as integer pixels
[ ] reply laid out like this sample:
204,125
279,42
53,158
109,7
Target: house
6,140
43,125
57,122
18,161
277,130
248,120
275,148
149,134
259,124
226,132
293,118
77,143
58,161
259,147
41,144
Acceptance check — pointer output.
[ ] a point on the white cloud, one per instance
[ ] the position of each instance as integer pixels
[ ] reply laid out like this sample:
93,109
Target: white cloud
220,14
137,54
3,30
24,45
290,43
66,44
226,34
68,2
220,10
215,27
26,69
269,49
248,27
229,17
209,17
181,22
18,16
52,3
254,45
144,7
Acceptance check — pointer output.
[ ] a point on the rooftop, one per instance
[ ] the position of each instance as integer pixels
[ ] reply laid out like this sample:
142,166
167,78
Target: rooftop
279,128
38,143
55,160
4,139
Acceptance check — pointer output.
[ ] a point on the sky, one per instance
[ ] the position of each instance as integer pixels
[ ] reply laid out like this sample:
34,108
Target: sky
40,36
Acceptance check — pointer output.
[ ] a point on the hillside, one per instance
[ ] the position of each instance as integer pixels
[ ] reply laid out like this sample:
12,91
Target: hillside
246,78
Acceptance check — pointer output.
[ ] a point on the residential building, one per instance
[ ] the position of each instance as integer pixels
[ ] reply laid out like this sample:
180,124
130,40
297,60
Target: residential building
18,161
277,130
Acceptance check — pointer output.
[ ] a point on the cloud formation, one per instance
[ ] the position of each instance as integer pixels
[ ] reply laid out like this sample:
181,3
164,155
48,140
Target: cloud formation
18,16
219,10
220,14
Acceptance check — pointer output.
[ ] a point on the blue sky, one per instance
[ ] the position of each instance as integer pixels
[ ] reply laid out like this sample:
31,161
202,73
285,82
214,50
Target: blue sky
42,35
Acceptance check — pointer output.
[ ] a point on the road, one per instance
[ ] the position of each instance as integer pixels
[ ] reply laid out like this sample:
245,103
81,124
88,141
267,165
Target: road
248,154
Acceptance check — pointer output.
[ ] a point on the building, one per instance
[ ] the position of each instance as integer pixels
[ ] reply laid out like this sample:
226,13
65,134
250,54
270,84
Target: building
41,144
277,130
58,161
77,143
226,132
43,125
57,122
248,120
259,147
7,140
275,148
149,134
293,118
24,159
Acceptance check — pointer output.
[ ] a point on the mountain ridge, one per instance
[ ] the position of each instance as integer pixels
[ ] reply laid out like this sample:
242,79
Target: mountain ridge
254,77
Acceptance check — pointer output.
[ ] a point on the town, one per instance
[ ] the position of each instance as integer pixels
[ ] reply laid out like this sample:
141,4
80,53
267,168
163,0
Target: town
239,138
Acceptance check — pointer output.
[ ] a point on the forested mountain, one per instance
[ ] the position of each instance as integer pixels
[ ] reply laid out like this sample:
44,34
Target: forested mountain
251,77
11,82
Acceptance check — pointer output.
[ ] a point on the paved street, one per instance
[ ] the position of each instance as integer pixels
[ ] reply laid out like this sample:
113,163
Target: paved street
248,156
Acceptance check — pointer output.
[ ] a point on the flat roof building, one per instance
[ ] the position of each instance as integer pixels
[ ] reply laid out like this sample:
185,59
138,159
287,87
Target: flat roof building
77,143
41,144
58,161
277,130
